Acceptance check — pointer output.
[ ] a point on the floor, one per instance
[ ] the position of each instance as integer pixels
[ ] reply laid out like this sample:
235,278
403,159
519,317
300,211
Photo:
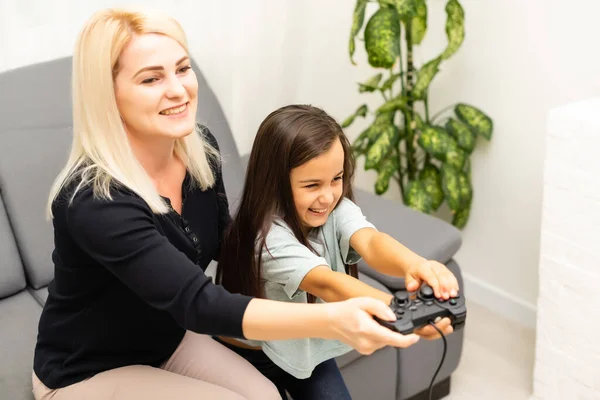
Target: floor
497,360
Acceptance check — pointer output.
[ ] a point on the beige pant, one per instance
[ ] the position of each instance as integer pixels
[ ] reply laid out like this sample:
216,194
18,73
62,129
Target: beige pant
200,368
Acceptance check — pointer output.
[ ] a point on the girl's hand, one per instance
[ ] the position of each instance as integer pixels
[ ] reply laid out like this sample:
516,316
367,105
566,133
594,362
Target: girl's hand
352,323
437,275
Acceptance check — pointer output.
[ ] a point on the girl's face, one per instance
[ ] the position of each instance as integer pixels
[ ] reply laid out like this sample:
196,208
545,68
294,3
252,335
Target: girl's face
317,186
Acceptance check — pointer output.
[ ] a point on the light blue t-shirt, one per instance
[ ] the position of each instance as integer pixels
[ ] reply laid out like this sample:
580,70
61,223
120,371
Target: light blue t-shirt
285,263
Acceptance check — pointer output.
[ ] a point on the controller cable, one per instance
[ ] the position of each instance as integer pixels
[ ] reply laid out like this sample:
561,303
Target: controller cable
441,362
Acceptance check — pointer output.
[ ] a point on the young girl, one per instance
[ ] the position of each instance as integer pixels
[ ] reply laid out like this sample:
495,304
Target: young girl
297,228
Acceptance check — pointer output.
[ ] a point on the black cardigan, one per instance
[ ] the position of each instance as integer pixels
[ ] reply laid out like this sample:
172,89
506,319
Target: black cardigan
128,283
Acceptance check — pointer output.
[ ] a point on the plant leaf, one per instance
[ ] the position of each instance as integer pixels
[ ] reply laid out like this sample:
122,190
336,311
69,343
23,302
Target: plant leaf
416,197
456,157
371,84
382,146
475,119
437,142
461,217
455,27
368,137
407,9
357,22
424,78
450,186
387,169
465,138
382,38
360,112
418,25
387,85
457,187
432,181
397,103
466,189
360,144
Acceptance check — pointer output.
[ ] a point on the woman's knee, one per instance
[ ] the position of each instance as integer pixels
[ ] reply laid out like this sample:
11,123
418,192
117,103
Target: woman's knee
263,389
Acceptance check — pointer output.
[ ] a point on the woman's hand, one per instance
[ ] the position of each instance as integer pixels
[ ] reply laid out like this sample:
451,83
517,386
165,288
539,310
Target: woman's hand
352,322
428,332
437,275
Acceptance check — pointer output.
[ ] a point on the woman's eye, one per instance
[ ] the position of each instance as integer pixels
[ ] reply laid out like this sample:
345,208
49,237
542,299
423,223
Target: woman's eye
312,185
338,178
149,80
185,69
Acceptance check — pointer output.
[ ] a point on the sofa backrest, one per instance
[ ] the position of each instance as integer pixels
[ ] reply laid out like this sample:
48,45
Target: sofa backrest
35,124
35,137
12,276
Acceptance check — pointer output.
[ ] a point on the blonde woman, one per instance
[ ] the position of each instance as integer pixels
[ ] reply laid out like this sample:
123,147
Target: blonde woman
138,213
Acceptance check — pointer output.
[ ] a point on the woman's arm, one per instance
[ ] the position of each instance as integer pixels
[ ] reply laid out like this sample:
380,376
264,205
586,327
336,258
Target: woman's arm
349,321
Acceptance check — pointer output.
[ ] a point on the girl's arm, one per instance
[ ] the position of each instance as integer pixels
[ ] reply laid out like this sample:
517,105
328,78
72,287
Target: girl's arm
332,286
388,256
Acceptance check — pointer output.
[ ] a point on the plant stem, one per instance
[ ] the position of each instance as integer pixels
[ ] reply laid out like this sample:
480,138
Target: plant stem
443,110
400,172
401,67
409,114
427,109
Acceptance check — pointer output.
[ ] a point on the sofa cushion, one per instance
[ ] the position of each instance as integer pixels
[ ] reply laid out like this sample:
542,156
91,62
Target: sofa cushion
40,295
12,277
428,236
19,315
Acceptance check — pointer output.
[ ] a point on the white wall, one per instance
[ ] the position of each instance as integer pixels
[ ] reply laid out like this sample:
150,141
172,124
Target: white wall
519,59
567,349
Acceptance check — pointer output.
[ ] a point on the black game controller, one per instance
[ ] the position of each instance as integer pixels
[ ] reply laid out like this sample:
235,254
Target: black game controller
415,309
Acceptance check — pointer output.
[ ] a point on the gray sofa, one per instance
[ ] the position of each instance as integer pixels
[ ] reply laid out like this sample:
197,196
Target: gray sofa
35,123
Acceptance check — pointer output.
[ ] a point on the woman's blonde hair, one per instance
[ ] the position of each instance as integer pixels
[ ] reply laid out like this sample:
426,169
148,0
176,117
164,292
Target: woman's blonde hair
100,150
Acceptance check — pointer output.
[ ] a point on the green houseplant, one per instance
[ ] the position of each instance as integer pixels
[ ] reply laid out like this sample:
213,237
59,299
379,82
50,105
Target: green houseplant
428,156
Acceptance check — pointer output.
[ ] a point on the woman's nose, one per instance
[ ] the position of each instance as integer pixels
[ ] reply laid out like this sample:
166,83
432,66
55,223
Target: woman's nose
175,88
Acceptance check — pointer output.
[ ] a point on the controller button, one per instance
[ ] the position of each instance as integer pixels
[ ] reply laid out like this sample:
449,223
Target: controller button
453,302
417,302
400,312
429,303
413,308
426,292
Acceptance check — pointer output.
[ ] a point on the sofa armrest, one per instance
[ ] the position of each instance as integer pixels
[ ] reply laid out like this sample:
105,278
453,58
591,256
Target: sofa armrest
424,234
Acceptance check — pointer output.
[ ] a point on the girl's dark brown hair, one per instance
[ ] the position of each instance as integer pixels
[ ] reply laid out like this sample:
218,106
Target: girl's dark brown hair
286,139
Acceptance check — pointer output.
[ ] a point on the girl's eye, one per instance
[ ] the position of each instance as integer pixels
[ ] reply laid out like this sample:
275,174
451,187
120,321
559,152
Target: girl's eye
338,178
185,69
312,185
149,80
